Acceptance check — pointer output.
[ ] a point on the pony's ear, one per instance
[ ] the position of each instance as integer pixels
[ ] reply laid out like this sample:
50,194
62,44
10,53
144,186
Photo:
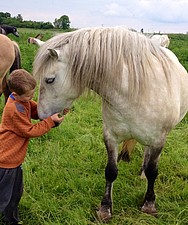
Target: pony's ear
54,53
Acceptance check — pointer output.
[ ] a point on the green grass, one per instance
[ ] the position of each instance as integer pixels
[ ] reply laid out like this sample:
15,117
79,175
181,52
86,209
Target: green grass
64,169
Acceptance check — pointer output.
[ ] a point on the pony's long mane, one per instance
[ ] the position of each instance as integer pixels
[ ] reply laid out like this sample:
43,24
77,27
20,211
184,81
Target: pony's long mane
97,56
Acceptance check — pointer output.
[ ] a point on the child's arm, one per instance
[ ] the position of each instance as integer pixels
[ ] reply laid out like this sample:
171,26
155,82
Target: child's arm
34,113
25,128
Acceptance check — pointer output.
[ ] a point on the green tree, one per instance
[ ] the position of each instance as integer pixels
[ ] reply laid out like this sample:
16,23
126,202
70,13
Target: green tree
19,17
4,16
63,22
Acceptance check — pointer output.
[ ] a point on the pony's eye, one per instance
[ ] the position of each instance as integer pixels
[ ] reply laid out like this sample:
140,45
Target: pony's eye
49,80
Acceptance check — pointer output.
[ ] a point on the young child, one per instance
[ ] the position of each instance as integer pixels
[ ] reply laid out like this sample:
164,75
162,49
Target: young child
15,130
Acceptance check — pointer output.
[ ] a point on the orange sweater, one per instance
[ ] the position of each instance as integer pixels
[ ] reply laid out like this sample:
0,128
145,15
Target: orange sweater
16,128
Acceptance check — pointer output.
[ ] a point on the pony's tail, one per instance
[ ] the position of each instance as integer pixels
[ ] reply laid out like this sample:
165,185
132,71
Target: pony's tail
16,65
126,150
17,61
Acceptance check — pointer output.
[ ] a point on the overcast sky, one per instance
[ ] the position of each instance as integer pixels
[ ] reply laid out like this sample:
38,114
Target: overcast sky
166,16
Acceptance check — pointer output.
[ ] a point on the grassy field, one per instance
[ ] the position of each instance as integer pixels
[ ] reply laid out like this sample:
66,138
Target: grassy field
64,169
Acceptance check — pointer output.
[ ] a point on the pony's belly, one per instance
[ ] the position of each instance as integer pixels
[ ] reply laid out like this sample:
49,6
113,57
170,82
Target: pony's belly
145,135
148,127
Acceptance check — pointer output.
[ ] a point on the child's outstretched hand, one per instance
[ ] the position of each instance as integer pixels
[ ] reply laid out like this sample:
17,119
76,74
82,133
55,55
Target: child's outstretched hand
57,118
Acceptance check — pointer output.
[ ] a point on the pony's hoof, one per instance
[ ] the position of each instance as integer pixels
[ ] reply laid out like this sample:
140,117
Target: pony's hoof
149,208
104,214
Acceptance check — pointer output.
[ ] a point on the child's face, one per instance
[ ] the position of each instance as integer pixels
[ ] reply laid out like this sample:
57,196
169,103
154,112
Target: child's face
25,97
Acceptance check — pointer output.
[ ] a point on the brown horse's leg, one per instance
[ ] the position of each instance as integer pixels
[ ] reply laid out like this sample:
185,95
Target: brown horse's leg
15,65
127,148
151,172
1,88
5,89
17,61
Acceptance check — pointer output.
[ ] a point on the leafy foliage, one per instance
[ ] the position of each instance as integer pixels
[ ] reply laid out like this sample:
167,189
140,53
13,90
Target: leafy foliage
179,45
5,18
63,22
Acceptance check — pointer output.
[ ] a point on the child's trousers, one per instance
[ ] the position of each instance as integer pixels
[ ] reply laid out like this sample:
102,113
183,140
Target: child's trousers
11,189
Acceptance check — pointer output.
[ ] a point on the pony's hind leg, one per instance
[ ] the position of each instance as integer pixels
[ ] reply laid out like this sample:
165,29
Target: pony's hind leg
105,211
150,168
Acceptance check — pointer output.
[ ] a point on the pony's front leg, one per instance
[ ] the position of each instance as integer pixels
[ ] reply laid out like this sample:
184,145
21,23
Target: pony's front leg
111,172
150,168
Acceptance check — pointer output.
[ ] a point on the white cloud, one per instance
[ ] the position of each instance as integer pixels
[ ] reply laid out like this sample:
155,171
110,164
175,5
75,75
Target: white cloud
112,9
154,15
163,10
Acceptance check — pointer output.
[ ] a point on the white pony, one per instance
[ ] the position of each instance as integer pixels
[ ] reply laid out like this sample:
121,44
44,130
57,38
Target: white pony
143,87
162,39
35,41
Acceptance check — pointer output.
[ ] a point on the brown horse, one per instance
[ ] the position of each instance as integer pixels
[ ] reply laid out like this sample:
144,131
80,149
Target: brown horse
10,60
